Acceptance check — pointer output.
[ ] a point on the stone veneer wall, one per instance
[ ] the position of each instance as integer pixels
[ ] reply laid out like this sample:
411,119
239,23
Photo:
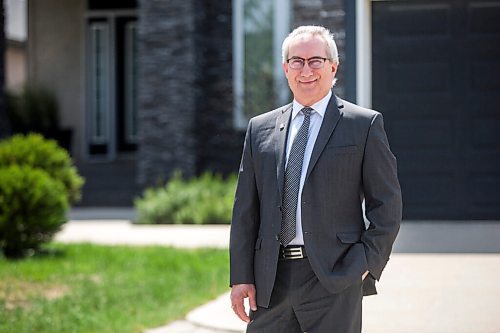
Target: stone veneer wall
330,14
185,89
219,144
167,74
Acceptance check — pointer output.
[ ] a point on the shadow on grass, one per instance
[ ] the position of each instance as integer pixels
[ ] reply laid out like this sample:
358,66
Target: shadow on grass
42,253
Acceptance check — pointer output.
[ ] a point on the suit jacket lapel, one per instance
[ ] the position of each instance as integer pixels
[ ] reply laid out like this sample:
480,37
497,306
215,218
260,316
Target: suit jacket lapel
332,117
281,132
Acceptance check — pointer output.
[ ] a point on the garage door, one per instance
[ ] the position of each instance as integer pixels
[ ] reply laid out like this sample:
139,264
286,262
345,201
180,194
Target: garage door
436,79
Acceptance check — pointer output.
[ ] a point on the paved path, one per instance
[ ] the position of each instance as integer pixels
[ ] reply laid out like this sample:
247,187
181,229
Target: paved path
122,232
443,277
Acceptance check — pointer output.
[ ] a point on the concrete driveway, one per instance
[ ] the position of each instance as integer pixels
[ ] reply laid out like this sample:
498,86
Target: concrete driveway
442,277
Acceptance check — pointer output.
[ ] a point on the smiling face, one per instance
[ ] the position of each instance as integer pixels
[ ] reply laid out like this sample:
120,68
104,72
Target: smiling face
309,85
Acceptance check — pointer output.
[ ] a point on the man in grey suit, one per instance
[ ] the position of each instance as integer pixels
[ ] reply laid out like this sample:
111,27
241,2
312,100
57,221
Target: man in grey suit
300,249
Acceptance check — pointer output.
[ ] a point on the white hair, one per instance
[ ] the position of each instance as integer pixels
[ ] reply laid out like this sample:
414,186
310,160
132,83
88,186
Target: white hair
331,48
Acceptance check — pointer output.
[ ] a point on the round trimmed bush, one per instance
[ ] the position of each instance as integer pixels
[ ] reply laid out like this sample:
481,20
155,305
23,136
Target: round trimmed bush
32,208
35,151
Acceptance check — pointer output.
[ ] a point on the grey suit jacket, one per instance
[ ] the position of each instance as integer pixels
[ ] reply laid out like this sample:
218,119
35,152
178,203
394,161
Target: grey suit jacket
351,161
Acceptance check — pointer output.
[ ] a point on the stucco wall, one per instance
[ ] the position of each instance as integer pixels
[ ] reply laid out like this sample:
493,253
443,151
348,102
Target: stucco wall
55,52
15,67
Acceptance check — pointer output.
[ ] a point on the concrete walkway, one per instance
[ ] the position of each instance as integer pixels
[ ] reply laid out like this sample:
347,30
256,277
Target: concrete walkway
442,277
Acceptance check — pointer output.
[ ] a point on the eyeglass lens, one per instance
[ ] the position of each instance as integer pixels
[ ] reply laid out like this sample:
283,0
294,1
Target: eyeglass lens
314,63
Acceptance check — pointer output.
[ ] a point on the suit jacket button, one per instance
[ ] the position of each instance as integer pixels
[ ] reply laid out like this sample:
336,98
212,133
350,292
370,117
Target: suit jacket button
277,237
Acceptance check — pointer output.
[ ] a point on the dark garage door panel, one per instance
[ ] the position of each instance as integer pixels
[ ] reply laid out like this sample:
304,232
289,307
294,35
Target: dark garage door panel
436,79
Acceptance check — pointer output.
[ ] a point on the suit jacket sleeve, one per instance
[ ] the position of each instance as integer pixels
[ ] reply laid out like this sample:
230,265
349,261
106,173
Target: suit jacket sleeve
245,220
382,193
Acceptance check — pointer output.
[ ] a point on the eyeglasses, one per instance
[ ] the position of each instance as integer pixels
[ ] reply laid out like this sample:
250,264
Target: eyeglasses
314,62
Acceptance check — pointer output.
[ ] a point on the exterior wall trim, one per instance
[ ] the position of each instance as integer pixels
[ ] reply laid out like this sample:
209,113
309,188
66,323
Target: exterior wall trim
91,13
280,31
364,53
239,121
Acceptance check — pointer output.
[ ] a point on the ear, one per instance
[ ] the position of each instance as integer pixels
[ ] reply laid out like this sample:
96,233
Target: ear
285,68
334,68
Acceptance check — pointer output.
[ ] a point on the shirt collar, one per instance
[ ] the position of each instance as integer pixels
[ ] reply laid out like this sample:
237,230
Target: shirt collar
319,107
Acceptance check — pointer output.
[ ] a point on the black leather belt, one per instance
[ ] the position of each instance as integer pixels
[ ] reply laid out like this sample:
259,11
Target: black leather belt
292,252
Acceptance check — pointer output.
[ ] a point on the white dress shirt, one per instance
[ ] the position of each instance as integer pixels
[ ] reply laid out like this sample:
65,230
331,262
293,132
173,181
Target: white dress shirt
316,120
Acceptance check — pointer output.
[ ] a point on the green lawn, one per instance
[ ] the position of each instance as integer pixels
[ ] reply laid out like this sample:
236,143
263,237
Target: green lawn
90,288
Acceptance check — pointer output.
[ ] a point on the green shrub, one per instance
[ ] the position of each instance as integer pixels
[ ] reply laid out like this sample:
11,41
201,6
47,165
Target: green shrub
35,151
207,199
34,109
32,208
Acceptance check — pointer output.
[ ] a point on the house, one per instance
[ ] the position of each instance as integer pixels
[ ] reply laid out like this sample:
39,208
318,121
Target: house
152,86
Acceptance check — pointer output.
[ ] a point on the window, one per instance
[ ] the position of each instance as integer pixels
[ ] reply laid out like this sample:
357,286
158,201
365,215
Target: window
111,84
111,4
259,29
99,82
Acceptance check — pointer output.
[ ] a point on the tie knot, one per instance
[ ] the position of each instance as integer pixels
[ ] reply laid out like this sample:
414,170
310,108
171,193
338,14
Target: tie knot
307,110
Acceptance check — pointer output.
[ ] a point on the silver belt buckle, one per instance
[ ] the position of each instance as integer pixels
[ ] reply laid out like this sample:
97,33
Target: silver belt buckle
293,253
